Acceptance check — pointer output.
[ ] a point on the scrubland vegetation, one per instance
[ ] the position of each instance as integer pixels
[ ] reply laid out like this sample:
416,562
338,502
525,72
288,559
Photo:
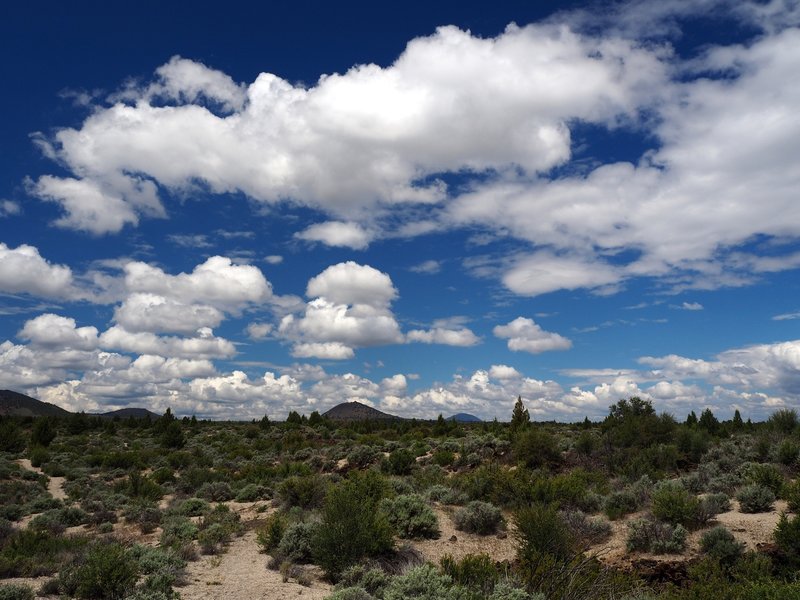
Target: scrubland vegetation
353,503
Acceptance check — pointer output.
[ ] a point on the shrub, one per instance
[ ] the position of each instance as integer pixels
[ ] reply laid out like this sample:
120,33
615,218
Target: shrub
194,507
252,492
423,583
146,514
361,457
540,530
478,517
791,491
444,494
39,456
720,543
106,570
505,591
620,503
474,571
585,530
443,458
216,491
787,538
784,420
674,504
373,581
351,526
296,543
411,517
788,451
16,591
755,499
178,532
269,535
351,593
303,491
399,462
766,475
535,448
653,536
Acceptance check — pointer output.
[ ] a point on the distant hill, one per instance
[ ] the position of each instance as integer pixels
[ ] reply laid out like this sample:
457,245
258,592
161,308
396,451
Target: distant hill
19,405
355,411
15,404
127,413
464,418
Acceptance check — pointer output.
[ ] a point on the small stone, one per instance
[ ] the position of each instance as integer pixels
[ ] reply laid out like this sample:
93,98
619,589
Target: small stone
502,535
453,538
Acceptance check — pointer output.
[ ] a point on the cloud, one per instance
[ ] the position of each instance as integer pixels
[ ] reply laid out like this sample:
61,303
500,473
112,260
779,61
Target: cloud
503,372
786,316
337,233
54,331
154,313
448,337
203,346
525,335
258,331
23,270
217,282
190,241
351,283
273,259
9,208
429,267
691,306
353,141
544,272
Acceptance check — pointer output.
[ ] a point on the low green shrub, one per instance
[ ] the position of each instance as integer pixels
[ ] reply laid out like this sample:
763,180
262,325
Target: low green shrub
399,462
373,580
620,503
720,543
755,498
252,492
478,517
585,530
297,542
216,491
422,583
106,570
16,591
193,507
765,475
674,504
787,452
791,492
653,536
270,533
540,530
304,491
411,517
476,572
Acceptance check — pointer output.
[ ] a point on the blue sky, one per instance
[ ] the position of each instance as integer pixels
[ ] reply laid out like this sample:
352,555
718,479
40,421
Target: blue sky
238,210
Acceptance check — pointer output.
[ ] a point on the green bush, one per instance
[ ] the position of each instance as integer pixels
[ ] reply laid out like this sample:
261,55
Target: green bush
787,538
784,420
788,451
193,507
252,492
505,591
411,517
178,533
540,530
653,536
422,583
352,527
620,503
754,498
791,491
476,572
303,491
478,517
297,541
765,475
444,494
720,543
30,553
106,570
373,580
270,533
674,504
16,591
536,448
351,593
585,530
216,491
399,462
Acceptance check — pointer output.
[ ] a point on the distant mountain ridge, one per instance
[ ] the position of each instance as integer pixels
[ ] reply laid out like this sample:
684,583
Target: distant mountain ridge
355,411
14,404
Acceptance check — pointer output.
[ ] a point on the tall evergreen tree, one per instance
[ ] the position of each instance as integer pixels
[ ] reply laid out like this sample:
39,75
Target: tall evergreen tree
520,418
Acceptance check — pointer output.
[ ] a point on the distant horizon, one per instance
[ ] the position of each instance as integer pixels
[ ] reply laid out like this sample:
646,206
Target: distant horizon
428,208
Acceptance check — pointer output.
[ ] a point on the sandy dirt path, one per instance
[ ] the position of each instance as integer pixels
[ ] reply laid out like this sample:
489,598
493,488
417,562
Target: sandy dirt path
242,573
55,485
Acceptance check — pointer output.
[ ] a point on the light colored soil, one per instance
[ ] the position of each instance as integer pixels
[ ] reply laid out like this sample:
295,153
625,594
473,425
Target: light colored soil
466,543
242,573
752,529
55,485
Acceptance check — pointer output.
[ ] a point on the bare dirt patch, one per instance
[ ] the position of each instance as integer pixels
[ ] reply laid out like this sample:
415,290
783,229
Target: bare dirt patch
55,485
499,548
242,573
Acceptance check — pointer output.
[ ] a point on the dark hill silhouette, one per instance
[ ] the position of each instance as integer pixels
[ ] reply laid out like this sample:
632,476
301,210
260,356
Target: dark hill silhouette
19,405
14,404
355,411
127,413
464,418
